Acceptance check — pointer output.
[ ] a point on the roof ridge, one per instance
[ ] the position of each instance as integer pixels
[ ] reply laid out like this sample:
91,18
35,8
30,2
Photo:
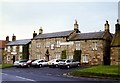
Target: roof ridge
58,31
91,32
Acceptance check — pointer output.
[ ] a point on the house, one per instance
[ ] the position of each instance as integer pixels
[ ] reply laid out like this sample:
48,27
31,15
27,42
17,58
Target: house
115,46
2,48
17,49
93,48
50,45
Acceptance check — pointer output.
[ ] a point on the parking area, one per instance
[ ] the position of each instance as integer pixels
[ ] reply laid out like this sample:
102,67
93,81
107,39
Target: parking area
41,71
43,74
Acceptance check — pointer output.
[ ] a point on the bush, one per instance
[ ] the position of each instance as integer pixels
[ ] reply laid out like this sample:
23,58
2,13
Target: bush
63,55
77,55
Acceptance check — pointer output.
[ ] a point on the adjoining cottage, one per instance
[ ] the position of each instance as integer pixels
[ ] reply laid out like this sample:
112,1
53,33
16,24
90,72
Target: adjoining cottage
92,48
115,46
2,49
17,50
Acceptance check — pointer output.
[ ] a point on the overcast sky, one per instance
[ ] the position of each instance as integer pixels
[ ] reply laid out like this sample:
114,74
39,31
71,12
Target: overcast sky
23,18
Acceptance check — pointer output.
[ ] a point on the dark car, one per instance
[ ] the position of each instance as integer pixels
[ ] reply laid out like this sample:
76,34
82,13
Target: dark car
28,63
68,63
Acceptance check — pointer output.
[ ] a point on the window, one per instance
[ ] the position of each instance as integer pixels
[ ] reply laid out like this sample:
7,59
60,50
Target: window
20,56
14,48
20,48
58,56
84,58
47,44
8,49
52,46
8,58
58,44
77,46
38,45
94,46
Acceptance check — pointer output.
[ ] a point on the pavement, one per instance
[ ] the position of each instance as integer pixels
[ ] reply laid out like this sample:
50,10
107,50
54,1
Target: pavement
46,74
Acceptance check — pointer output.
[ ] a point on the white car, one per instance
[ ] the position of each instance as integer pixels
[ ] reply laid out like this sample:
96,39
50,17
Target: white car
39,63
68,63
53,63
20,63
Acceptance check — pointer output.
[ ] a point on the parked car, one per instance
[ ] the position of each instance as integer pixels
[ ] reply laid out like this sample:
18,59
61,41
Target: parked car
68,63
53,63
28,63
20,63
39,63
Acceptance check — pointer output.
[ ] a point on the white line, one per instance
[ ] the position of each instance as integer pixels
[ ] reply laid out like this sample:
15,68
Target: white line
24,78
21,77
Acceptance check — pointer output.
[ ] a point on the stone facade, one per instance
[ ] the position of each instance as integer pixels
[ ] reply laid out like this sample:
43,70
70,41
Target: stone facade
115,46
17,50
93,45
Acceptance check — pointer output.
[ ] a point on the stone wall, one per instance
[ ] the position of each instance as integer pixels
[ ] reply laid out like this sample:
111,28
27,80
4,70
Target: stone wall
115,56
86,46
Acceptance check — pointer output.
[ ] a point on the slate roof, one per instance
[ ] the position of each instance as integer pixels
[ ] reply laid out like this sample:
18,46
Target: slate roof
19,42
88,36
54,34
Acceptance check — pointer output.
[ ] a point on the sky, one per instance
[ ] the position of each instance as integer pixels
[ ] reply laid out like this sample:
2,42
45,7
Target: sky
22,18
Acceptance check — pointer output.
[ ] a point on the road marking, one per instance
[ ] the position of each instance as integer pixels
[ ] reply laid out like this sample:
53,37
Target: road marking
20,77
24,78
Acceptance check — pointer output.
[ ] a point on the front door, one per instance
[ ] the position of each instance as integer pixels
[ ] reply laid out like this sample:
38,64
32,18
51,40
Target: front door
13,58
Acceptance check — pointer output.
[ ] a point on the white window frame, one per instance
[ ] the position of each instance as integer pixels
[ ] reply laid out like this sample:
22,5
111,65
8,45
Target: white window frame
8,49
58,44
14,48
52,46
85,58
8,58
20,48
94,46
77,46
58,56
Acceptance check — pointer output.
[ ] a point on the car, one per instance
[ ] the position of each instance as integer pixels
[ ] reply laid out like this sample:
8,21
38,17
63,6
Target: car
53,63
20,63
40,63
68,63
28,63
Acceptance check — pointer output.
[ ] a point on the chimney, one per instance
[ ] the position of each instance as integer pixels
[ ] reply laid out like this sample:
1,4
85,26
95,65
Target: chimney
117,26
13,38
107,26
40,30
76,27
7,38
34,34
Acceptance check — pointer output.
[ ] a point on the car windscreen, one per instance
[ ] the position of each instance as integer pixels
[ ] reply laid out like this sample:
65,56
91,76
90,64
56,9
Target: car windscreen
23,61
61,60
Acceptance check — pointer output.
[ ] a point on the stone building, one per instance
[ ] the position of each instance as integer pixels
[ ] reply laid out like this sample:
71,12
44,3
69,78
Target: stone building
17,49
53,43
2,48
115,46
94,46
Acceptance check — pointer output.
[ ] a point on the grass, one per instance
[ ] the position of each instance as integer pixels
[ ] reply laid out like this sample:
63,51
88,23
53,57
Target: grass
99,71
2,66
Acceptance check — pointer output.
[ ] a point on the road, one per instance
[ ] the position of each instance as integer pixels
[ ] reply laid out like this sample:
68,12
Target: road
45,74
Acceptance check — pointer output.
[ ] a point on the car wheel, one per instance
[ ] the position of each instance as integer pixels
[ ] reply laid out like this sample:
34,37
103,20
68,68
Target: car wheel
68,66
28,66
56,65
78,65
40,66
